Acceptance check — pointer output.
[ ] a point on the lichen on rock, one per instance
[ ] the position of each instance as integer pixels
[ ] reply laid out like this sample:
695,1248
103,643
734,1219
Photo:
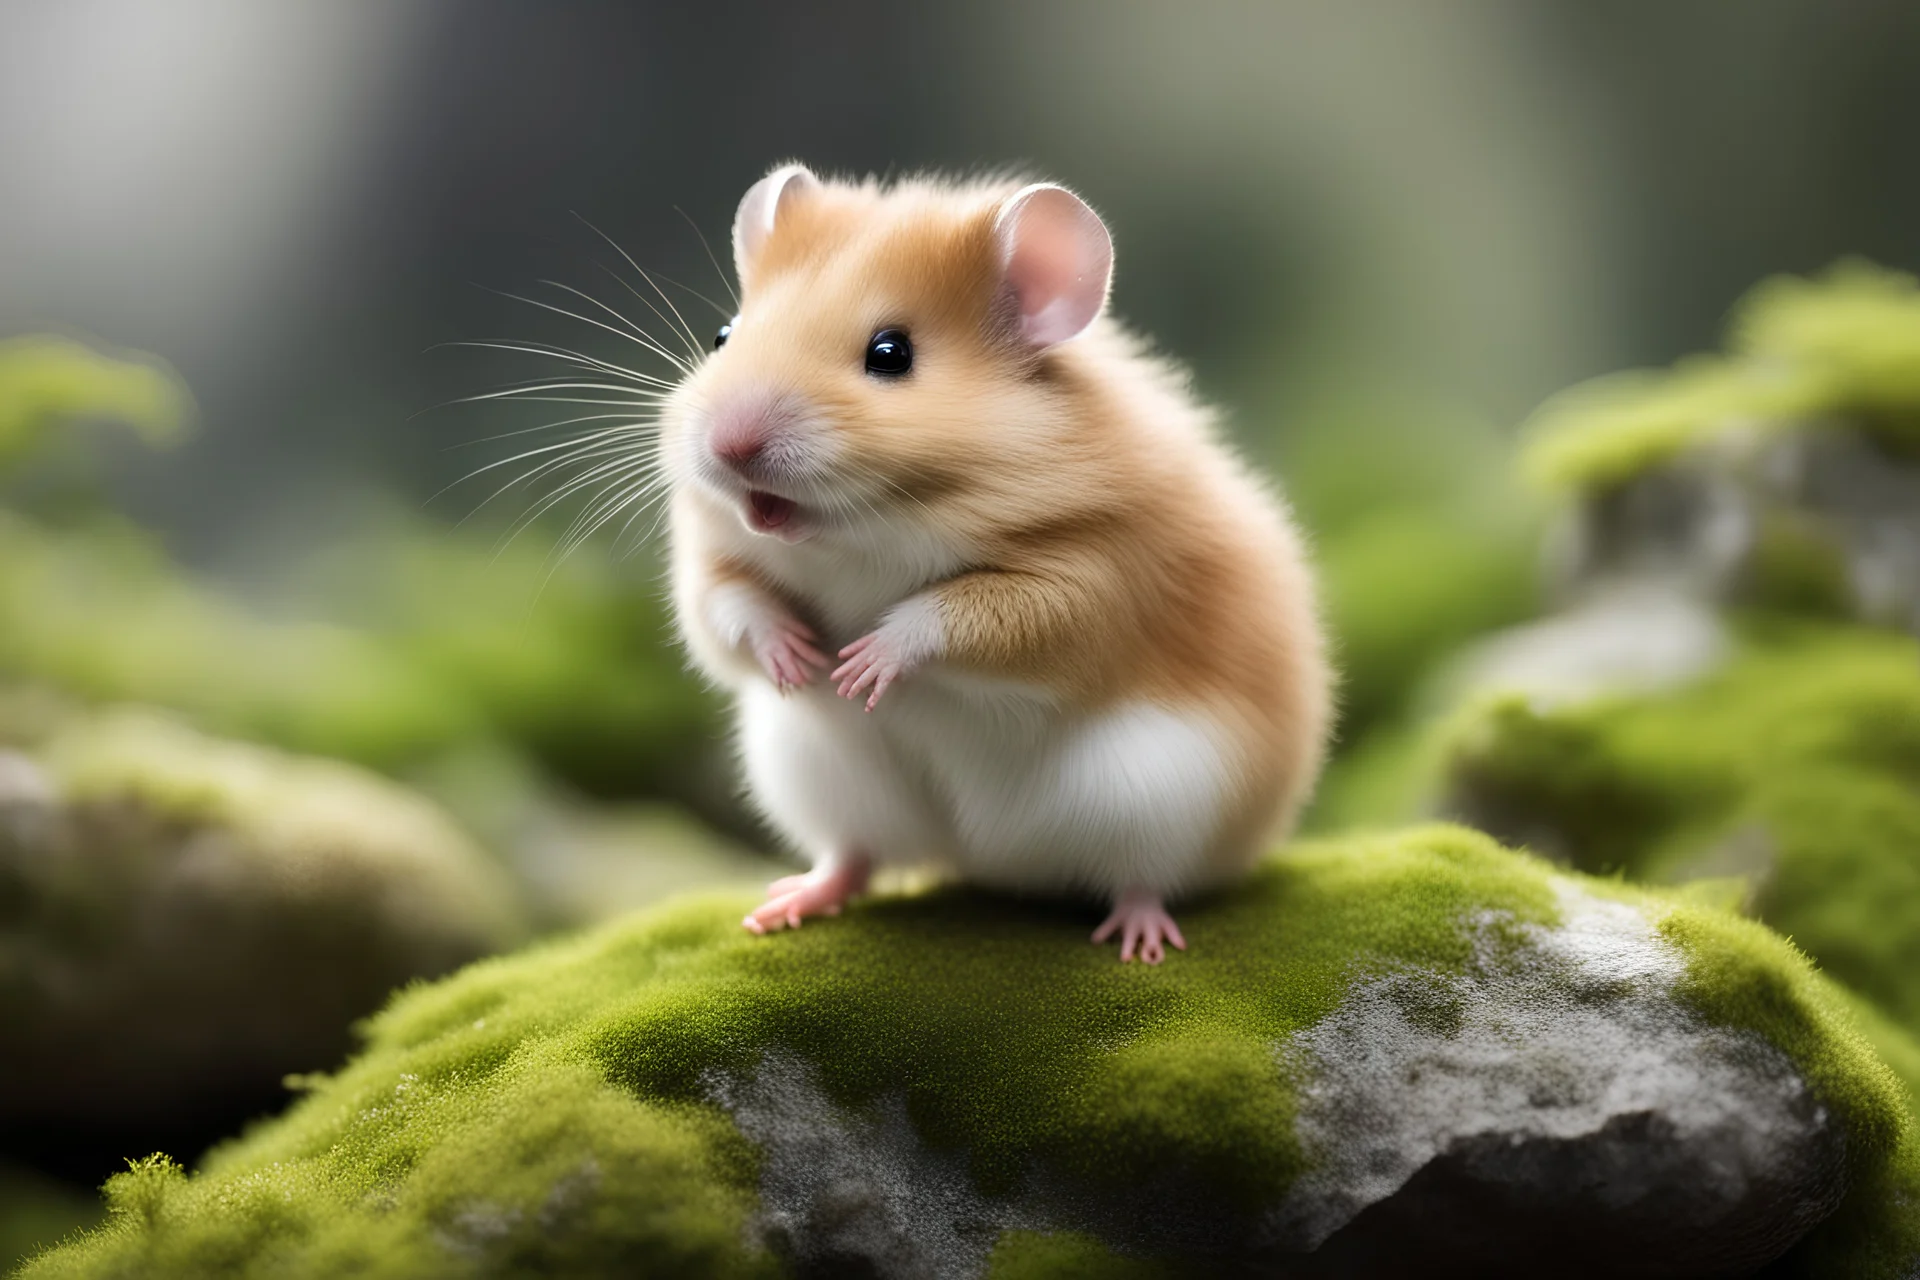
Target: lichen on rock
954,1084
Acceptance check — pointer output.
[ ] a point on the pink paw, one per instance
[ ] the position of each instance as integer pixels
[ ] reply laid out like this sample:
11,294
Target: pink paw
872,663
1143,925
785,651
820,892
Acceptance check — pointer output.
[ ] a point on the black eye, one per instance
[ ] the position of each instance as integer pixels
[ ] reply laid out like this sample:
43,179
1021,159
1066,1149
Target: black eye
889,353
726,331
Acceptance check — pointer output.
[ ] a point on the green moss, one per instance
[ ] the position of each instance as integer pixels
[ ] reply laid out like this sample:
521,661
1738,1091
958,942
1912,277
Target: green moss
1797,568
1404,586
1798,763
453,644
573,660
45,381
1842,348
1853,333
301,820
549,1110
37,1213
1741,974
1034,1255
99,613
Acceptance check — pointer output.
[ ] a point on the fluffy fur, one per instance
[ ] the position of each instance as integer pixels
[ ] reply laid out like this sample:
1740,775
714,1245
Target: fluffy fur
1088,635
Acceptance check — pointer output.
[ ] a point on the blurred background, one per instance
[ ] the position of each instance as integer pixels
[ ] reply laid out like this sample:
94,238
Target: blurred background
290,715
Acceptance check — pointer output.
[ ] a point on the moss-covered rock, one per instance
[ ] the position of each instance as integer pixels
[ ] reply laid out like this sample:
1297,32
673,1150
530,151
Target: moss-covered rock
1796,766
1383,1046
1839,350
1784,475
185,920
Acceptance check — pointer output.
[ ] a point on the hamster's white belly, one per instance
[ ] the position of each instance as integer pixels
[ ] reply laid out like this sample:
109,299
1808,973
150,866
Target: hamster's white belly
1013,792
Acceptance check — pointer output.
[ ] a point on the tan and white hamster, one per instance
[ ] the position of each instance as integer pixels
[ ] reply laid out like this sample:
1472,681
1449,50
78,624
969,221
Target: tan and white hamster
1076,642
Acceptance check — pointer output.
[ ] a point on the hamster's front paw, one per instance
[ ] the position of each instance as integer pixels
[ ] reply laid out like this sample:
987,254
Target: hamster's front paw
785,650
910,634
871,663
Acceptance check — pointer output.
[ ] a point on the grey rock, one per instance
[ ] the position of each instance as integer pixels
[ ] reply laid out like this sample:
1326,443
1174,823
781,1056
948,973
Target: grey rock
849,1192
1871,502
1696,525
1636,637
1571,1087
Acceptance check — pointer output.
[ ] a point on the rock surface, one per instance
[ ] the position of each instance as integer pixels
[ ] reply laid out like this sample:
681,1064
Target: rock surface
1383,1047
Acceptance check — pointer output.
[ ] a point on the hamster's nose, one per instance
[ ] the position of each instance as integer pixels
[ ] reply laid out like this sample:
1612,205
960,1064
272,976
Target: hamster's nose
739,450
739,438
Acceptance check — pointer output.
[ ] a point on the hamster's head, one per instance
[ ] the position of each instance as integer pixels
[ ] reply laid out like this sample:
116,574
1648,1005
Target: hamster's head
895,352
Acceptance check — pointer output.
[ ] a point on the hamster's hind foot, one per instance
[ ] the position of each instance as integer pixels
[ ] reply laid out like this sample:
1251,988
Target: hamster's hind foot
820,892
1144,926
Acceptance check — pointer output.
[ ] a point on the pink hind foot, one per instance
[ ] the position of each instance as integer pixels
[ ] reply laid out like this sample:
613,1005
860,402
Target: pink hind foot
820,892
1143,925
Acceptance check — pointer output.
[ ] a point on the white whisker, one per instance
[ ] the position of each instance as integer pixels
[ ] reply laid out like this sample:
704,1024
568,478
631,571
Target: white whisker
701,235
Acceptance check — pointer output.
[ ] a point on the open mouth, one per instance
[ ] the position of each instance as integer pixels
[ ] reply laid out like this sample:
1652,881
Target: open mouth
768,511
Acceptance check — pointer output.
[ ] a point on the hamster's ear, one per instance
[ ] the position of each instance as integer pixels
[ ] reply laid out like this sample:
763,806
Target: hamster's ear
760,209
1057,258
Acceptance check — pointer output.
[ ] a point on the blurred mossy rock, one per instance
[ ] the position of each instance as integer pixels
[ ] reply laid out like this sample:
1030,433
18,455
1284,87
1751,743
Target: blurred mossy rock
1784,474
1405,1054
1794,767
47,381
184,920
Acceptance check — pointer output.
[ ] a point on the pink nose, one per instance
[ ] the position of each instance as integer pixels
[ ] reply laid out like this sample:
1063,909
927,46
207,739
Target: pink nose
740,437
738,450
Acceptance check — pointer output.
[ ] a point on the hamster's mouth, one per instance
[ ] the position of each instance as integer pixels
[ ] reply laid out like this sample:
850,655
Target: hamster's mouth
767,512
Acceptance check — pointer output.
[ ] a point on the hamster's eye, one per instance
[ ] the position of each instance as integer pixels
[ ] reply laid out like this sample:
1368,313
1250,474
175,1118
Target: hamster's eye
889,353
726,331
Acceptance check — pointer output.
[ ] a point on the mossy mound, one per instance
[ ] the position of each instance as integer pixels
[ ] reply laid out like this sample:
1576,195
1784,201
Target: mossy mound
184,920
449,642
586,1108
46,381
1796,766
1842,349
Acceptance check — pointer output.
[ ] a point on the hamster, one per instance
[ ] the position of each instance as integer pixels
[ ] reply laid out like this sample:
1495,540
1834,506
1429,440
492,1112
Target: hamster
986,588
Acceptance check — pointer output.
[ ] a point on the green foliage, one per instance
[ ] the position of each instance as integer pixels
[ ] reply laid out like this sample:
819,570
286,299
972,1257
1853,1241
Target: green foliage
435,638
1799,764
1801,354
571,660
46,381
549,1109
1421,543
98,612
1405,586
455,644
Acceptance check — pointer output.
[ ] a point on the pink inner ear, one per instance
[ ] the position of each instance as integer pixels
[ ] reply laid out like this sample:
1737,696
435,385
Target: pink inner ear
1059,260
